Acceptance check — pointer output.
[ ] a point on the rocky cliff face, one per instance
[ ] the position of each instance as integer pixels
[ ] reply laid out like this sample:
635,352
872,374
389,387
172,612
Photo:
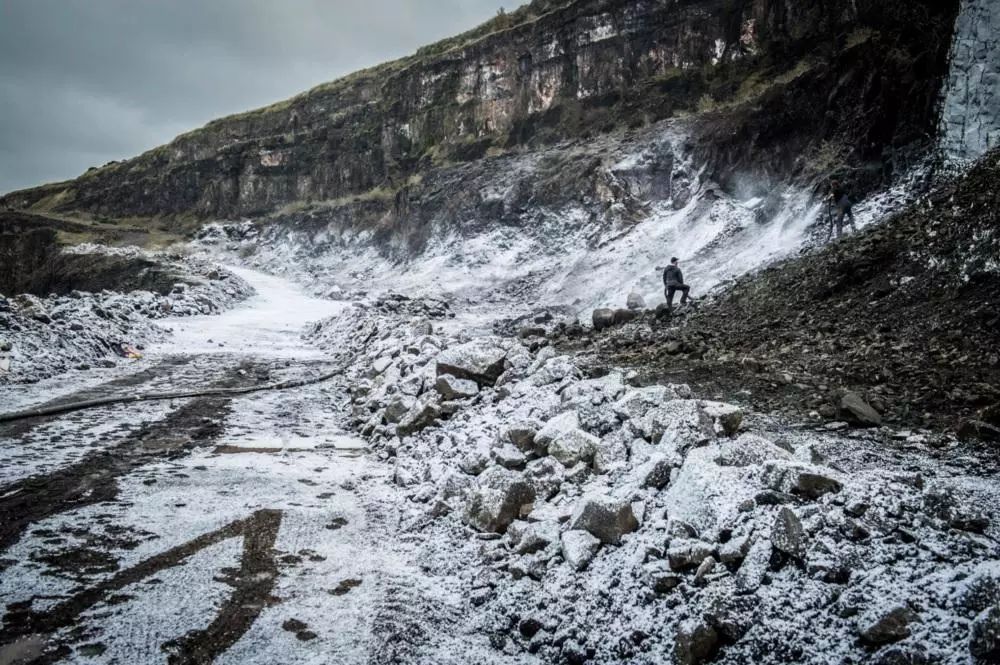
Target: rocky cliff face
755,69
970,122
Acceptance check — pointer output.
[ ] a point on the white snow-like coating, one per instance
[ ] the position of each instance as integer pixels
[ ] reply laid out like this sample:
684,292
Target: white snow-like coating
267,324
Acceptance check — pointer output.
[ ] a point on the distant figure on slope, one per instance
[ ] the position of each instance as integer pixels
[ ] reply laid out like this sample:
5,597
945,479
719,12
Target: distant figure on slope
842,207
673,281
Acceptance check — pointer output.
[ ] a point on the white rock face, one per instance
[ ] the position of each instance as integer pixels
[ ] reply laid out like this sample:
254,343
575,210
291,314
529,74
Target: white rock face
970,117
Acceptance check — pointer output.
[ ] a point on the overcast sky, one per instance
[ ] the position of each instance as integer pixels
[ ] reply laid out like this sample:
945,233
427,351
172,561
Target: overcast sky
83,82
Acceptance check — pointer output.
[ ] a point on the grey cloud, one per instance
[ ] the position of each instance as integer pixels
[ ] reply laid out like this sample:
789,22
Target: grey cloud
83,82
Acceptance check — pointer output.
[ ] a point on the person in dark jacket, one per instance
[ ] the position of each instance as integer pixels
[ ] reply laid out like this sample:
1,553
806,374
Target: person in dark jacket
843,207
673,281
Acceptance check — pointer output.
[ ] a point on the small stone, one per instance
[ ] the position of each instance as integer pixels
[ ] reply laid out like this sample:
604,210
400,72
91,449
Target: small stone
579,548
635,301
660,578
705,569
684,554
726,417
886,627
787,534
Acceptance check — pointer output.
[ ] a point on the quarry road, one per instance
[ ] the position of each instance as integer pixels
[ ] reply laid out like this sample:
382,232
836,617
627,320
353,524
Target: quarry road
249,529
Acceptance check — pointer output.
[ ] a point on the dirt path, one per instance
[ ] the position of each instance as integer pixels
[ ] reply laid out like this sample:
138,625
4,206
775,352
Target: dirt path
243,530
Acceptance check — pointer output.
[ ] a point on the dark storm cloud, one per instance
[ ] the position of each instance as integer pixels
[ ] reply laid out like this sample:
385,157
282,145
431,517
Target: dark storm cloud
83,82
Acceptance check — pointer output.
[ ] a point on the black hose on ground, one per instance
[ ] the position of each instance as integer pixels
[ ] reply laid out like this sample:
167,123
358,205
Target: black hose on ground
155,397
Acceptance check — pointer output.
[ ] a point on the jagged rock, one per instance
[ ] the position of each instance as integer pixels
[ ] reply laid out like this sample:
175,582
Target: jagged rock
452,388
726,418
538,536
679,423
803,480
857,410
579,548
660,578
474,462
498,499
749,450
423,414
554,370
509,457
655,472
735,550
611,454
547,475
635,301
603,319
984,638
755,566
574,446
522,435
787,534
635,404
979,430
481,361
886,626
563,423
529,565
684,554
705,569
398,407
606,518
696,642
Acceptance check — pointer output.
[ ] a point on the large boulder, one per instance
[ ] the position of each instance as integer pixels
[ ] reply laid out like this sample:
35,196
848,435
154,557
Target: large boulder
481,361
498,499
857,410
623,316
603,319
604,517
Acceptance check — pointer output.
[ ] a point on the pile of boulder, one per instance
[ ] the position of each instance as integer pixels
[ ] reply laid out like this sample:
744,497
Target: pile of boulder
80,330
600,520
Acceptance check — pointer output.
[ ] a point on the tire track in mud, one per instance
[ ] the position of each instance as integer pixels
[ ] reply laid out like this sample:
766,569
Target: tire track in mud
165,367
94,478
252,586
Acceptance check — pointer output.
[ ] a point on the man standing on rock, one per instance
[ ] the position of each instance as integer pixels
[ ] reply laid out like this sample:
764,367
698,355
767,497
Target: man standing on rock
673,281
841,201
